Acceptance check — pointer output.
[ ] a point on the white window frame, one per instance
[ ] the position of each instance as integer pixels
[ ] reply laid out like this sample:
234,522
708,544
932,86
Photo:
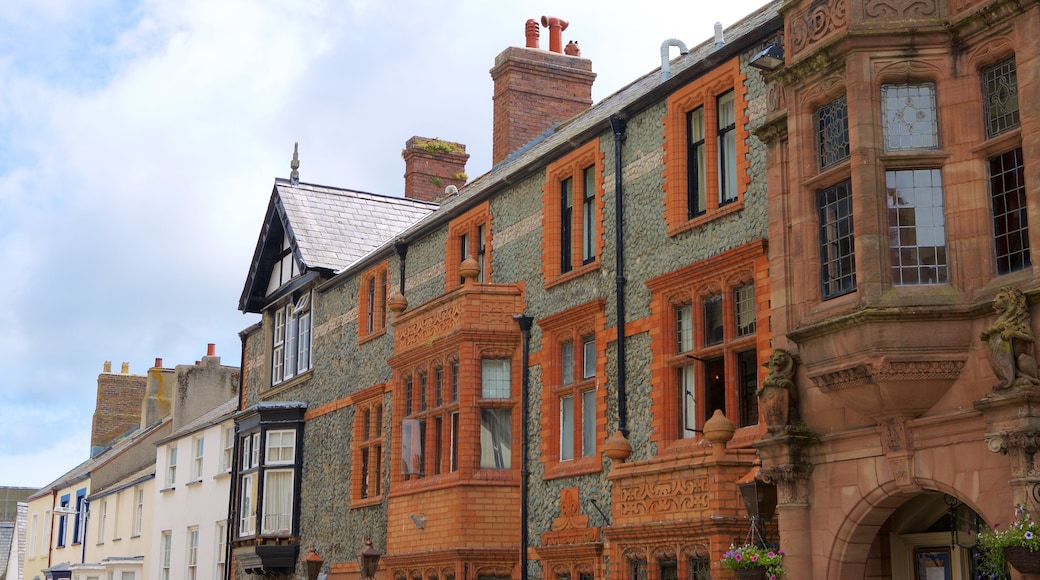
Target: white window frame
192,554
281,447
247,509
198,446
277,514
291,345
138,511
165,547
221,550
171,465
102,522
227,441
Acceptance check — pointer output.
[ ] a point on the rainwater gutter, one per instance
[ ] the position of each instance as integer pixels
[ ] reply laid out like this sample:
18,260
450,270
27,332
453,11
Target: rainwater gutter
617,125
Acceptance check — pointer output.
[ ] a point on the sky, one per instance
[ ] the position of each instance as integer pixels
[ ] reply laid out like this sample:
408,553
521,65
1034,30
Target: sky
140,139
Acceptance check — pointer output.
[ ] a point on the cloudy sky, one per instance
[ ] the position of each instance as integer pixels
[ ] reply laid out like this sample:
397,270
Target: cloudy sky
139,140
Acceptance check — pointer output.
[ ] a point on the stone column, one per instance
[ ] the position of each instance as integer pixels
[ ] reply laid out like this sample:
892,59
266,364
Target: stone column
783,465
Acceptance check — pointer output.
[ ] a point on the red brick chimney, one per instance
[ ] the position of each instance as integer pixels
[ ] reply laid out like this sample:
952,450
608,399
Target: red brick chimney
118,407
536,89
430,165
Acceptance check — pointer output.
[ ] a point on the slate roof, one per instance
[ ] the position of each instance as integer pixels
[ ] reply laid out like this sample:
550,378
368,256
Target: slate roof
328,228
211,417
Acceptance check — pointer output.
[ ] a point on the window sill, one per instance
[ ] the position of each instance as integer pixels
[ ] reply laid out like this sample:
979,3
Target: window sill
194,482
575,273
222,475
829,176
572,468
167,489
362,339
135,536
710,215
117,539
913,159
287,384
999,144
367,502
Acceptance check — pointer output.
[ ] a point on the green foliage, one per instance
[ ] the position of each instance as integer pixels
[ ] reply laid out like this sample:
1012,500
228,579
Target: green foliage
1022,531
436,181
436,146
460,176
752,556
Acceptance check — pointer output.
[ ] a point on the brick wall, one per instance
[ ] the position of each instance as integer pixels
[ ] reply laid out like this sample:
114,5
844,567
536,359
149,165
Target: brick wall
118,407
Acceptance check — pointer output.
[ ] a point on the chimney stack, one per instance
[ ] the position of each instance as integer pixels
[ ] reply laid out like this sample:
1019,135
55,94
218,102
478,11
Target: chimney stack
535,90
118,406
430,165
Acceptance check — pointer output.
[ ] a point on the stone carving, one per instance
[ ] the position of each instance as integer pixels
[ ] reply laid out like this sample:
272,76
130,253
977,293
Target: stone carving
433,325
778,394
920,370
900,8
1021,449
665,496
1010,342
819,21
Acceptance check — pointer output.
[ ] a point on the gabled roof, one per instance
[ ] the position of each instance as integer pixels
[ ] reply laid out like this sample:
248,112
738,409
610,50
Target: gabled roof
328,229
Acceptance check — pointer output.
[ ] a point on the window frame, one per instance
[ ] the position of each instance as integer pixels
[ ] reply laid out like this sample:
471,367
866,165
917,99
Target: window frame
474,224
684,355
569,247
280,426
367,472
987,97
569,338
373,296
843,281
1019,258
171,465
198,446
901,246
694,162
292,334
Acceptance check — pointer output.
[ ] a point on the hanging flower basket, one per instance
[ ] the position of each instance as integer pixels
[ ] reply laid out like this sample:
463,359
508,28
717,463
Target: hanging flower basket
1023,559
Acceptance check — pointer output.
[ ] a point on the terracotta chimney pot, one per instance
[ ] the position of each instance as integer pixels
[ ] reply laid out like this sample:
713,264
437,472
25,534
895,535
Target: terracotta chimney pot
556,27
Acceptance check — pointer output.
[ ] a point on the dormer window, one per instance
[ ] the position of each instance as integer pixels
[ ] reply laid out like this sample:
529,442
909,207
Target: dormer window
291,350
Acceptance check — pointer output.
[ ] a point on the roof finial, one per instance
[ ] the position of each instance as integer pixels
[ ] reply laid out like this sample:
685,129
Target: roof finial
294,177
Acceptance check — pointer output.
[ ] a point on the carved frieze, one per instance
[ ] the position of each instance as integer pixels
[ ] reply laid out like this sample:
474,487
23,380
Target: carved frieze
661,497
433,325
900,9
921,370
817,23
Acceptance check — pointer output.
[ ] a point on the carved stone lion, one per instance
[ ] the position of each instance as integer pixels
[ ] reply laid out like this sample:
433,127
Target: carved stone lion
1010,341
778,394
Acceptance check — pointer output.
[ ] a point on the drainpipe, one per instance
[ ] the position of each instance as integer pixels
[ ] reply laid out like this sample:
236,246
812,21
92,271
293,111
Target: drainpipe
232,513
50,540
401,249
666,67
617,125
525,330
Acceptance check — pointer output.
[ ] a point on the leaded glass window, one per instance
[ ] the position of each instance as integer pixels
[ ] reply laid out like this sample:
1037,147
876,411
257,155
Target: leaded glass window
1000,91
832,132
1010,225
916,227
837,248
909,116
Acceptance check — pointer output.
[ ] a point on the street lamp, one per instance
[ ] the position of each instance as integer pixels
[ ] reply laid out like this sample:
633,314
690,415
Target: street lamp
368,560
314,563
759,500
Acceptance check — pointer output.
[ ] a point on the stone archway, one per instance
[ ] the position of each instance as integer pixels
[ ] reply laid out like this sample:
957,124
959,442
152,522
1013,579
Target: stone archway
886,532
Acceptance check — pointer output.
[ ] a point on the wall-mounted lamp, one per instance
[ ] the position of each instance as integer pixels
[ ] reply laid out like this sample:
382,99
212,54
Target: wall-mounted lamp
368,560
314,563
419,520
770,59
759,500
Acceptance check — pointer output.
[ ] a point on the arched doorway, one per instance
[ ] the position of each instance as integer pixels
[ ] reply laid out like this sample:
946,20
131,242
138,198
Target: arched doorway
930,536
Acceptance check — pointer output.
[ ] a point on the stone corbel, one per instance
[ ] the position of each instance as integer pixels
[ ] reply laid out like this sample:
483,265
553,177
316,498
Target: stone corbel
785,466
